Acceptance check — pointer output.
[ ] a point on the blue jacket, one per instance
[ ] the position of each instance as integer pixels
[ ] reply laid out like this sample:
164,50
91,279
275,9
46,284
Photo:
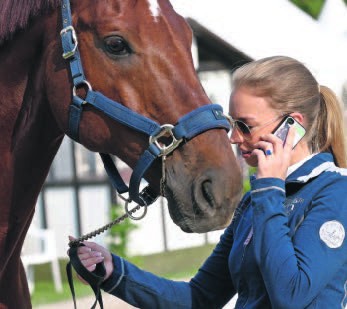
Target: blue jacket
285,248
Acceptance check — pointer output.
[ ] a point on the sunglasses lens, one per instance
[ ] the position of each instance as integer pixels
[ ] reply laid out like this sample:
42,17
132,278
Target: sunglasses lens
243,128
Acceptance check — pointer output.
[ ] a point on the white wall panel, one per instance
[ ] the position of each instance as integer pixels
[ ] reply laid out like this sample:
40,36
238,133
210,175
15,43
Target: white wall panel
148,238
61,216
95,209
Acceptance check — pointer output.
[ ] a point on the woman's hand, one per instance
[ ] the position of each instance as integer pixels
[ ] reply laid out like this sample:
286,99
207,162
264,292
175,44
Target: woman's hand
273,156
91,254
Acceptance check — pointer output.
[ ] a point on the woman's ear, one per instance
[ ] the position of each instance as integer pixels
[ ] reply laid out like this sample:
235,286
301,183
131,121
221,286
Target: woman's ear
298,117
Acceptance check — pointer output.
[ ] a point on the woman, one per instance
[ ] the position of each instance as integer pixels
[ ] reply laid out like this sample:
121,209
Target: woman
285,247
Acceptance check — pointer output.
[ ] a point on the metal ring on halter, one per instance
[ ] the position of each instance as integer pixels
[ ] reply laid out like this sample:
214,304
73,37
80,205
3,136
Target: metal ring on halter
82,83
166,130
133,217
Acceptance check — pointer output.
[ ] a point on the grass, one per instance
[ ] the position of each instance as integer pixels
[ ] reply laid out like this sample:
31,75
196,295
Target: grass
177,264
45,293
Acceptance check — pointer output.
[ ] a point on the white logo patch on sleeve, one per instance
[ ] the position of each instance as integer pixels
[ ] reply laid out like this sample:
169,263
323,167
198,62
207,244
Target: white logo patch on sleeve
332,233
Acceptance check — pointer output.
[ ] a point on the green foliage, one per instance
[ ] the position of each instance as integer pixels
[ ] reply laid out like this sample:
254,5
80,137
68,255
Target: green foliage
246,183
119,233
313,8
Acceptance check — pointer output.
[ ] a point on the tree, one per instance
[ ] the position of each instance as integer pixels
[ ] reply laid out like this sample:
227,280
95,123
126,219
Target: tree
119,233
313,8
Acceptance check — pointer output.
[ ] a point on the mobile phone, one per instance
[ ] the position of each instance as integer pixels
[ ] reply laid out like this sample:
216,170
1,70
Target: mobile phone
282,130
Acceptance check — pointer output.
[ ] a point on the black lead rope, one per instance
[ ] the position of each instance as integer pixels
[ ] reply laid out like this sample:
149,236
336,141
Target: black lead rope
94,278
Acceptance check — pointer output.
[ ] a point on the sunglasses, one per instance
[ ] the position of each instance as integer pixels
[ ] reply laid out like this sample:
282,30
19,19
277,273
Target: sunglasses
247,130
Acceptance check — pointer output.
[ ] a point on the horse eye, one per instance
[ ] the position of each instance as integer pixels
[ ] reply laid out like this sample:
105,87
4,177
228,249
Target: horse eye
117,45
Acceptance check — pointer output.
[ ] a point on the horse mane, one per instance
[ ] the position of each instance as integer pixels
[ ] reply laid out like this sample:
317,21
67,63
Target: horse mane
15,14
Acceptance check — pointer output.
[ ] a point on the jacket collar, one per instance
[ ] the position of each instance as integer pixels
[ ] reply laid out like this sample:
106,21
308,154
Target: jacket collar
312,168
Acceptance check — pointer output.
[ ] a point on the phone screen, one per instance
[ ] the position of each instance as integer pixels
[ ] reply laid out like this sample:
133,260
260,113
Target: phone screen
283,128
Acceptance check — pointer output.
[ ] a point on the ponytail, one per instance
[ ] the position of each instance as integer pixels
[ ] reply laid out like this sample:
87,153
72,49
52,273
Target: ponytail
329,128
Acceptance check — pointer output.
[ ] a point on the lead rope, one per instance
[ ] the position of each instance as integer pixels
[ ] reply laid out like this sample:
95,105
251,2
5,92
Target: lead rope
118,220
163,176
96,277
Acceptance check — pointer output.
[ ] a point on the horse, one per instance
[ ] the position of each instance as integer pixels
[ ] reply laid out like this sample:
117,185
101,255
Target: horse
136,52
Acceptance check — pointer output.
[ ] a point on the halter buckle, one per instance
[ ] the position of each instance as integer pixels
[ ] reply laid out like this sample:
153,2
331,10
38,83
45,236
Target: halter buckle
166,131
73,40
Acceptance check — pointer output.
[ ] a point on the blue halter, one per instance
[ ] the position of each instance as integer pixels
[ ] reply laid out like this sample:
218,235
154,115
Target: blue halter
199,120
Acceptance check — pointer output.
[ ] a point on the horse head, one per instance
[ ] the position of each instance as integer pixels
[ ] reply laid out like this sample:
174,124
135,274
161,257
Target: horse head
139,54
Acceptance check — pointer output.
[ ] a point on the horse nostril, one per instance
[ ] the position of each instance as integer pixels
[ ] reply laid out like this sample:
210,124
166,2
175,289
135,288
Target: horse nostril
205,203
207,192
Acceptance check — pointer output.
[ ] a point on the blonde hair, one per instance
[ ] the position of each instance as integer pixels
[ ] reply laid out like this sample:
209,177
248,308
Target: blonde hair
290,87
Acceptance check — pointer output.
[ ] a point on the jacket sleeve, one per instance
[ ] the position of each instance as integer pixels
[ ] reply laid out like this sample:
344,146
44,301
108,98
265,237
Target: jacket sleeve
145,290
296,269
210,288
